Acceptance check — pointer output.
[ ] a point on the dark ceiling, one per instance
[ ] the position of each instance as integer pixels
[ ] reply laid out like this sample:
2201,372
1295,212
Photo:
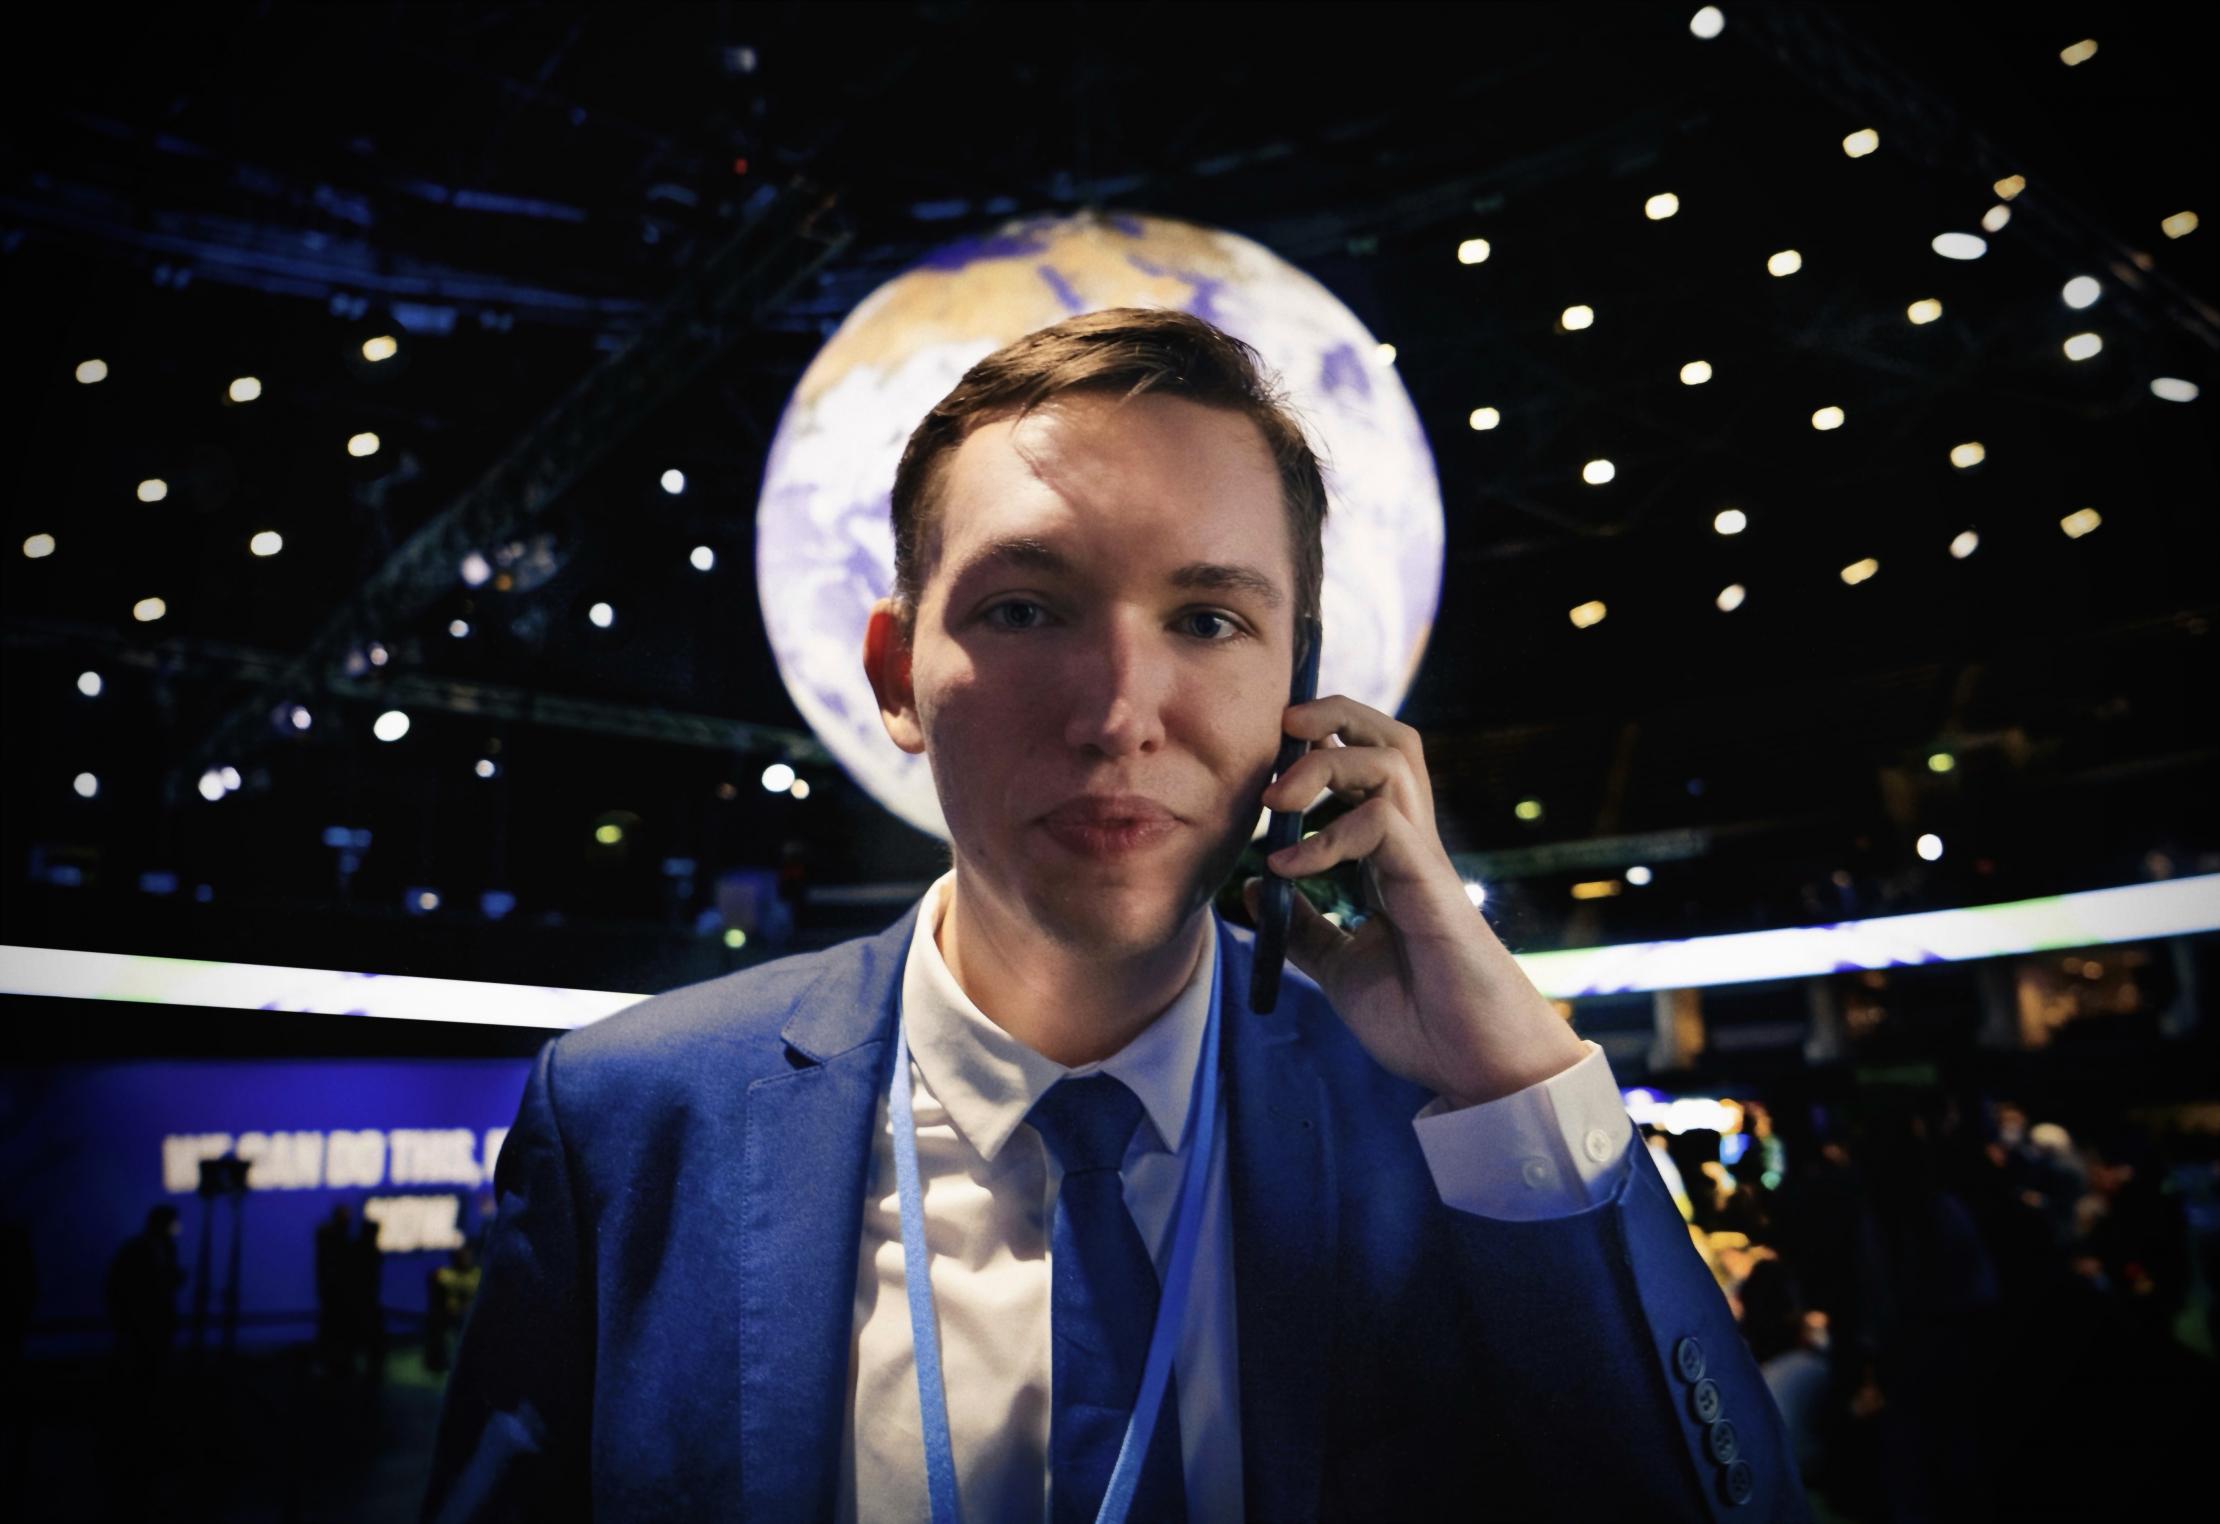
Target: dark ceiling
517,193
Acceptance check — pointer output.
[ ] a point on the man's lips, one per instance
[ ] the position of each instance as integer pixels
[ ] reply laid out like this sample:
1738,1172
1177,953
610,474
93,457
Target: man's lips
1109,825
1110,810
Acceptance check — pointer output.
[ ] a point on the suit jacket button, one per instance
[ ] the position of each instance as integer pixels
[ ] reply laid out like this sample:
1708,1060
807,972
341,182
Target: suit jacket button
1737,1483
1688,1359
1704,1400
1719,1439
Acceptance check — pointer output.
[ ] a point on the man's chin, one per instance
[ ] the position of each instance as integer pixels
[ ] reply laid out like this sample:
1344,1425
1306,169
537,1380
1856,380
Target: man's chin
1113,921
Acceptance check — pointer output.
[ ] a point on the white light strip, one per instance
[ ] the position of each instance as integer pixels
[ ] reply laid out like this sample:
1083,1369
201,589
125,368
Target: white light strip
75,975
2094,918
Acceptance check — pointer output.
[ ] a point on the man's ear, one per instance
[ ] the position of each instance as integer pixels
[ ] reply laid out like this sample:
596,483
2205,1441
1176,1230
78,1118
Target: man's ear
886,661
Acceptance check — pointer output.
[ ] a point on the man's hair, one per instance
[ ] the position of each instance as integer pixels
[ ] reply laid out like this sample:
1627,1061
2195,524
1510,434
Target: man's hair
1124,350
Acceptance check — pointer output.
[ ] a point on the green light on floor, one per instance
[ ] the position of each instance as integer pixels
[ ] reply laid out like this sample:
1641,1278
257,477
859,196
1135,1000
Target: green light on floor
735,937
609,835
1941,762
1528,809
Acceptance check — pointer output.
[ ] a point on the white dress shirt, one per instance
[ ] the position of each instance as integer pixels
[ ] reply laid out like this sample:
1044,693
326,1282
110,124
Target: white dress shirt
990,1188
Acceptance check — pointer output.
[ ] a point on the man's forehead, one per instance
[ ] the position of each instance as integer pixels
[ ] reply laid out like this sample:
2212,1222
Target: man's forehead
1193,484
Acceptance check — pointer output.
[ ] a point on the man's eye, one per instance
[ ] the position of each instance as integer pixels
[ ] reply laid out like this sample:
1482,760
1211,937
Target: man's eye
1004,608
1230,631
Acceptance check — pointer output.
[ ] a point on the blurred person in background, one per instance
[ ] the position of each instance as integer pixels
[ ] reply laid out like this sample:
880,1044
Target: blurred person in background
449,1292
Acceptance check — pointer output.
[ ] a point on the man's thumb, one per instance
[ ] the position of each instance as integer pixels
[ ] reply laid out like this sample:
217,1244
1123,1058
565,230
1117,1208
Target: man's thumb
1311,938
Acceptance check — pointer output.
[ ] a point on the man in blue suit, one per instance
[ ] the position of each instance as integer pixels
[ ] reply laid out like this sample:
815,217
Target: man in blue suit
933,1221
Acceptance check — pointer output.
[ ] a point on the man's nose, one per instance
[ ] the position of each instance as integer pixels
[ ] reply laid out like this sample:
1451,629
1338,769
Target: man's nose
1116,687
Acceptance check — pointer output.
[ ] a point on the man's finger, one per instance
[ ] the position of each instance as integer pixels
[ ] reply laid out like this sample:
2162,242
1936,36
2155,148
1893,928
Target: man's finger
1312,940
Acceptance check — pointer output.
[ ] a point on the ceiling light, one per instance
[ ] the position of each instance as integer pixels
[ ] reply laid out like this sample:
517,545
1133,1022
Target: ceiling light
1861,142
1786,262
390,726
1925,310
2080,53
1573,319
2174,389
1707,23
38,547
2009,186
2180,225
381,348
153,490
362,444
1966,543
1968,455
1484,418
2082,291
1588,615
1731,597
1960,245
703,558
1473,251
245,389
1695,373
1993,220
1597,472
674,482
1661,206
2083,346
1860,571
778,777
1730,521
268,543
92,372
147,610
1827,418
2080,522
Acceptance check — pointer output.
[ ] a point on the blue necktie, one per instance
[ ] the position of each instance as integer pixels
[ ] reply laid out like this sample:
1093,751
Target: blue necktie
1103,1308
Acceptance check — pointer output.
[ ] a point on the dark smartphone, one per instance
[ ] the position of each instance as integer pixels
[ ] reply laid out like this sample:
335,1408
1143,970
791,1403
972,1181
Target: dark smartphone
1275,896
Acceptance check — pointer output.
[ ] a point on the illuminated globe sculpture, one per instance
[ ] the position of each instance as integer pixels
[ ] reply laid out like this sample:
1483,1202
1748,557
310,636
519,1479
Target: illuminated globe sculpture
825,546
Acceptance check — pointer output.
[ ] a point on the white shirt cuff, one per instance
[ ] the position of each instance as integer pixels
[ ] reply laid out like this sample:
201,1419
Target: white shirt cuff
1552,1149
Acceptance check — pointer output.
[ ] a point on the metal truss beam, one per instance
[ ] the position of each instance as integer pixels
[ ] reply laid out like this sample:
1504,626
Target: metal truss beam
783,242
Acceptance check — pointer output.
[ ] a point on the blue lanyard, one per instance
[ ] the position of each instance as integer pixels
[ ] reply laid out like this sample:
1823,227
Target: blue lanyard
932,1394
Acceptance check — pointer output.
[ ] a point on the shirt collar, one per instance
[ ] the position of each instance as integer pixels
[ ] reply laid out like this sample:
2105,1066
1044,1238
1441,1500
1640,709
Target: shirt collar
988,1081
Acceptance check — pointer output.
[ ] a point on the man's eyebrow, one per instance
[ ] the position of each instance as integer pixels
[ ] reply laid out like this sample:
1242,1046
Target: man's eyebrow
1016,550
1038,555
1220,576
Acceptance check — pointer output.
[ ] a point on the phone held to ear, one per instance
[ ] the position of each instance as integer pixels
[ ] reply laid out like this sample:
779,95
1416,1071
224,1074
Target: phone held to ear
1275,895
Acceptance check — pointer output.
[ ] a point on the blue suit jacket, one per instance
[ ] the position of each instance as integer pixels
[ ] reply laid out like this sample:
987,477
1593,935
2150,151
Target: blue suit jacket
664,1325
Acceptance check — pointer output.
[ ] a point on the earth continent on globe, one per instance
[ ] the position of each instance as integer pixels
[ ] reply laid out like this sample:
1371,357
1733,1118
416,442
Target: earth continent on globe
825,545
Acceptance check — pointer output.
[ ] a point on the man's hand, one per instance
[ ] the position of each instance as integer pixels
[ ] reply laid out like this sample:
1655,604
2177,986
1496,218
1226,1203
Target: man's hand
1424,984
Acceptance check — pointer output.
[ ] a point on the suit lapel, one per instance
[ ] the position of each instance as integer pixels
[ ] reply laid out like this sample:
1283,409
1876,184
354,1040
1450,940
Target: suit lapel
807,1158
1285,1213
